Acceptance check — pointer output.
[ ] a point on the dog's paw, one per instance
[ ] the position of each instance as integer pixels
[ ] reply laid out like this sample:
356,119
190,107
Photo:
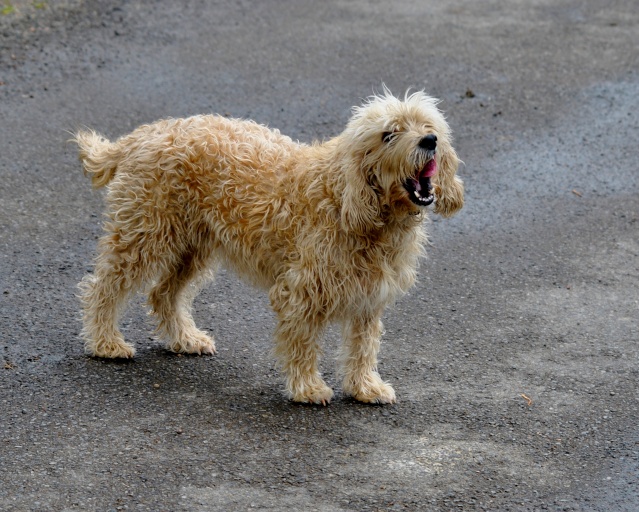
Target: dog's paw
314,391
113,349
193,342
370,389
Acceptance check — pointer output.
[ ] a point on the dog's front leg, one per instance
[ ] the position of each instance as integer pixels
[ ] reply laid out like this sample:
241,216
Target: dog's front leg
297,350
296,346
359,361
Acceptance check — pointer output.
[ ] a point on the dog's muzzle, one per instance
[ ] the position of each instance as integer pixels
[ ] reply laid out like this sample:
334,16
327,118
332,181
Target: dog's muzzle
420,188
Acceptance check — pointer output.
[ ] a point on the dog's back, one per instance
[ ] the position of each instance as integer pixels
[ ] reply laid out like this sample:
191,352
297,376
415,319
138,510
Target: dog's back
209,142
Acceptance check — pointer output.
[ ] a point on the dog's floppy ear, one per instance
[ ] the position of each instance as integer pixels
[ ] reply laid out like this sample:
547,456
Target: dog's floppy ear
449,189
360,204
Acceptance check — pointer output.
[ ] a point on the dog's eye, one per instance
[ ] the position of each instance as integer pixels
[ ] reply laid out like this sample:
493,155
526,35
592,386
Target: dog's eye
387,136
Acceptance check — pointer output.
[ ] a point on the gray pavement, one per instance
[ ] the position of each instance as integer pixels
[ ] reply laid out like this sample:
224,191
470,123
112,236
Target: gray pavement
515,358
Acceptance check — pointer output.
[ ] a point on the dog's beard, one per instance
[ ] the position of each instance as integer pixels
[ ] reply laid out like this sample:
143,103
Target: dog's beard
419,186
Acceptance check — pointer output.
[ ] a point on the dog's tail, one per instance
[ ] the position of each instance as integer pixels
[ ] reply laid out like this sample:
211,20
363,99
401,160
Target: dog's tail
99,156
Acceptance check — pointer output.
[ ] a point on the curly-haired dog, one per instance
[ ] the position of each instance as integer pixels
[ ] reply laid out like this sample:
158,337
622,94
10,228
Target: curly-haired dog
331,229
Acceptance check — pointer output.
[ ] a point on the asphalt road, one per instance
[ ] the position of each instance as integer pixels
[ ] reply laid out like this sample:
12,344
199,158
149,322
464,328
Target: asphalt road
515,358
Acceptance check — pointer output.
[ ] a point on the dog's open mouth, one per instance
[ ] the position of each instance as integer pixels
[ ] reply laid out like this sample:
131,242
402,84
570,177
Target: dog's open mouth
419,188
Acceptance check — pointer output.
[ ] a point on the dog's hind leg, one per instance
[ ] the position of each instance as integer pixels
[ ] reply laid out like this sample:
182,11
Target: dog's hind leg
297,349
359,361
172,298
117,274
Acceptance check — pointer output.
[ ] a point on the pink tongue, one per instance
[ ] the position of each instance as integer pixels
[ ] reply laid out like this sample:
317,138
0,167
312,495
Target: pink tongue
430,170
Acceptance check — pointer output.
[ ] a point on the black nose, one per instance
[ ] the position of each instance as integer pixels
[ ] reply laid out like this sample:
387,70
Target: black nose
429,143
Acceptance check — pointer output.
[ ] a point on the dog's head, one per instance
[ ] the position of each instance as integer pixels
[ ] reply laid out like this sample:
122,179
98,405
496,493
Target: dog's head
400,161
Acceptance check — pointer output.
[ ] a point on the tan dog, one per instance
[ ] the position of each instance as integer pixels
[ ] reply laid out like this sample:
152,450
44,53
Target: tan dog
332,230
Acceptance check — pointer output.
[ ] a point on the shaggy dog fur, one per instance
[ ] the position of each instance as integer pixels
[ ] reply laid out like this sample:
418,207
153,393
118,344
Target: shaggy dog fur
332,230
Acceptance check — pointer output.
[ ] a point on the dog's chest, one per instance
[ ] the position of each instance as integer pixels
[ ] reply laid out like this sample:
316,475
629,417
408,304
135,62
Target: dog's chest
384,269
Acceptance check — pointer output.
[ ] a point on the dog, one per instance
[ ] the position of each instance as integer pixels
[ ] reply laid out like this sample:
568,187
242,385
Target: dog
332,230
